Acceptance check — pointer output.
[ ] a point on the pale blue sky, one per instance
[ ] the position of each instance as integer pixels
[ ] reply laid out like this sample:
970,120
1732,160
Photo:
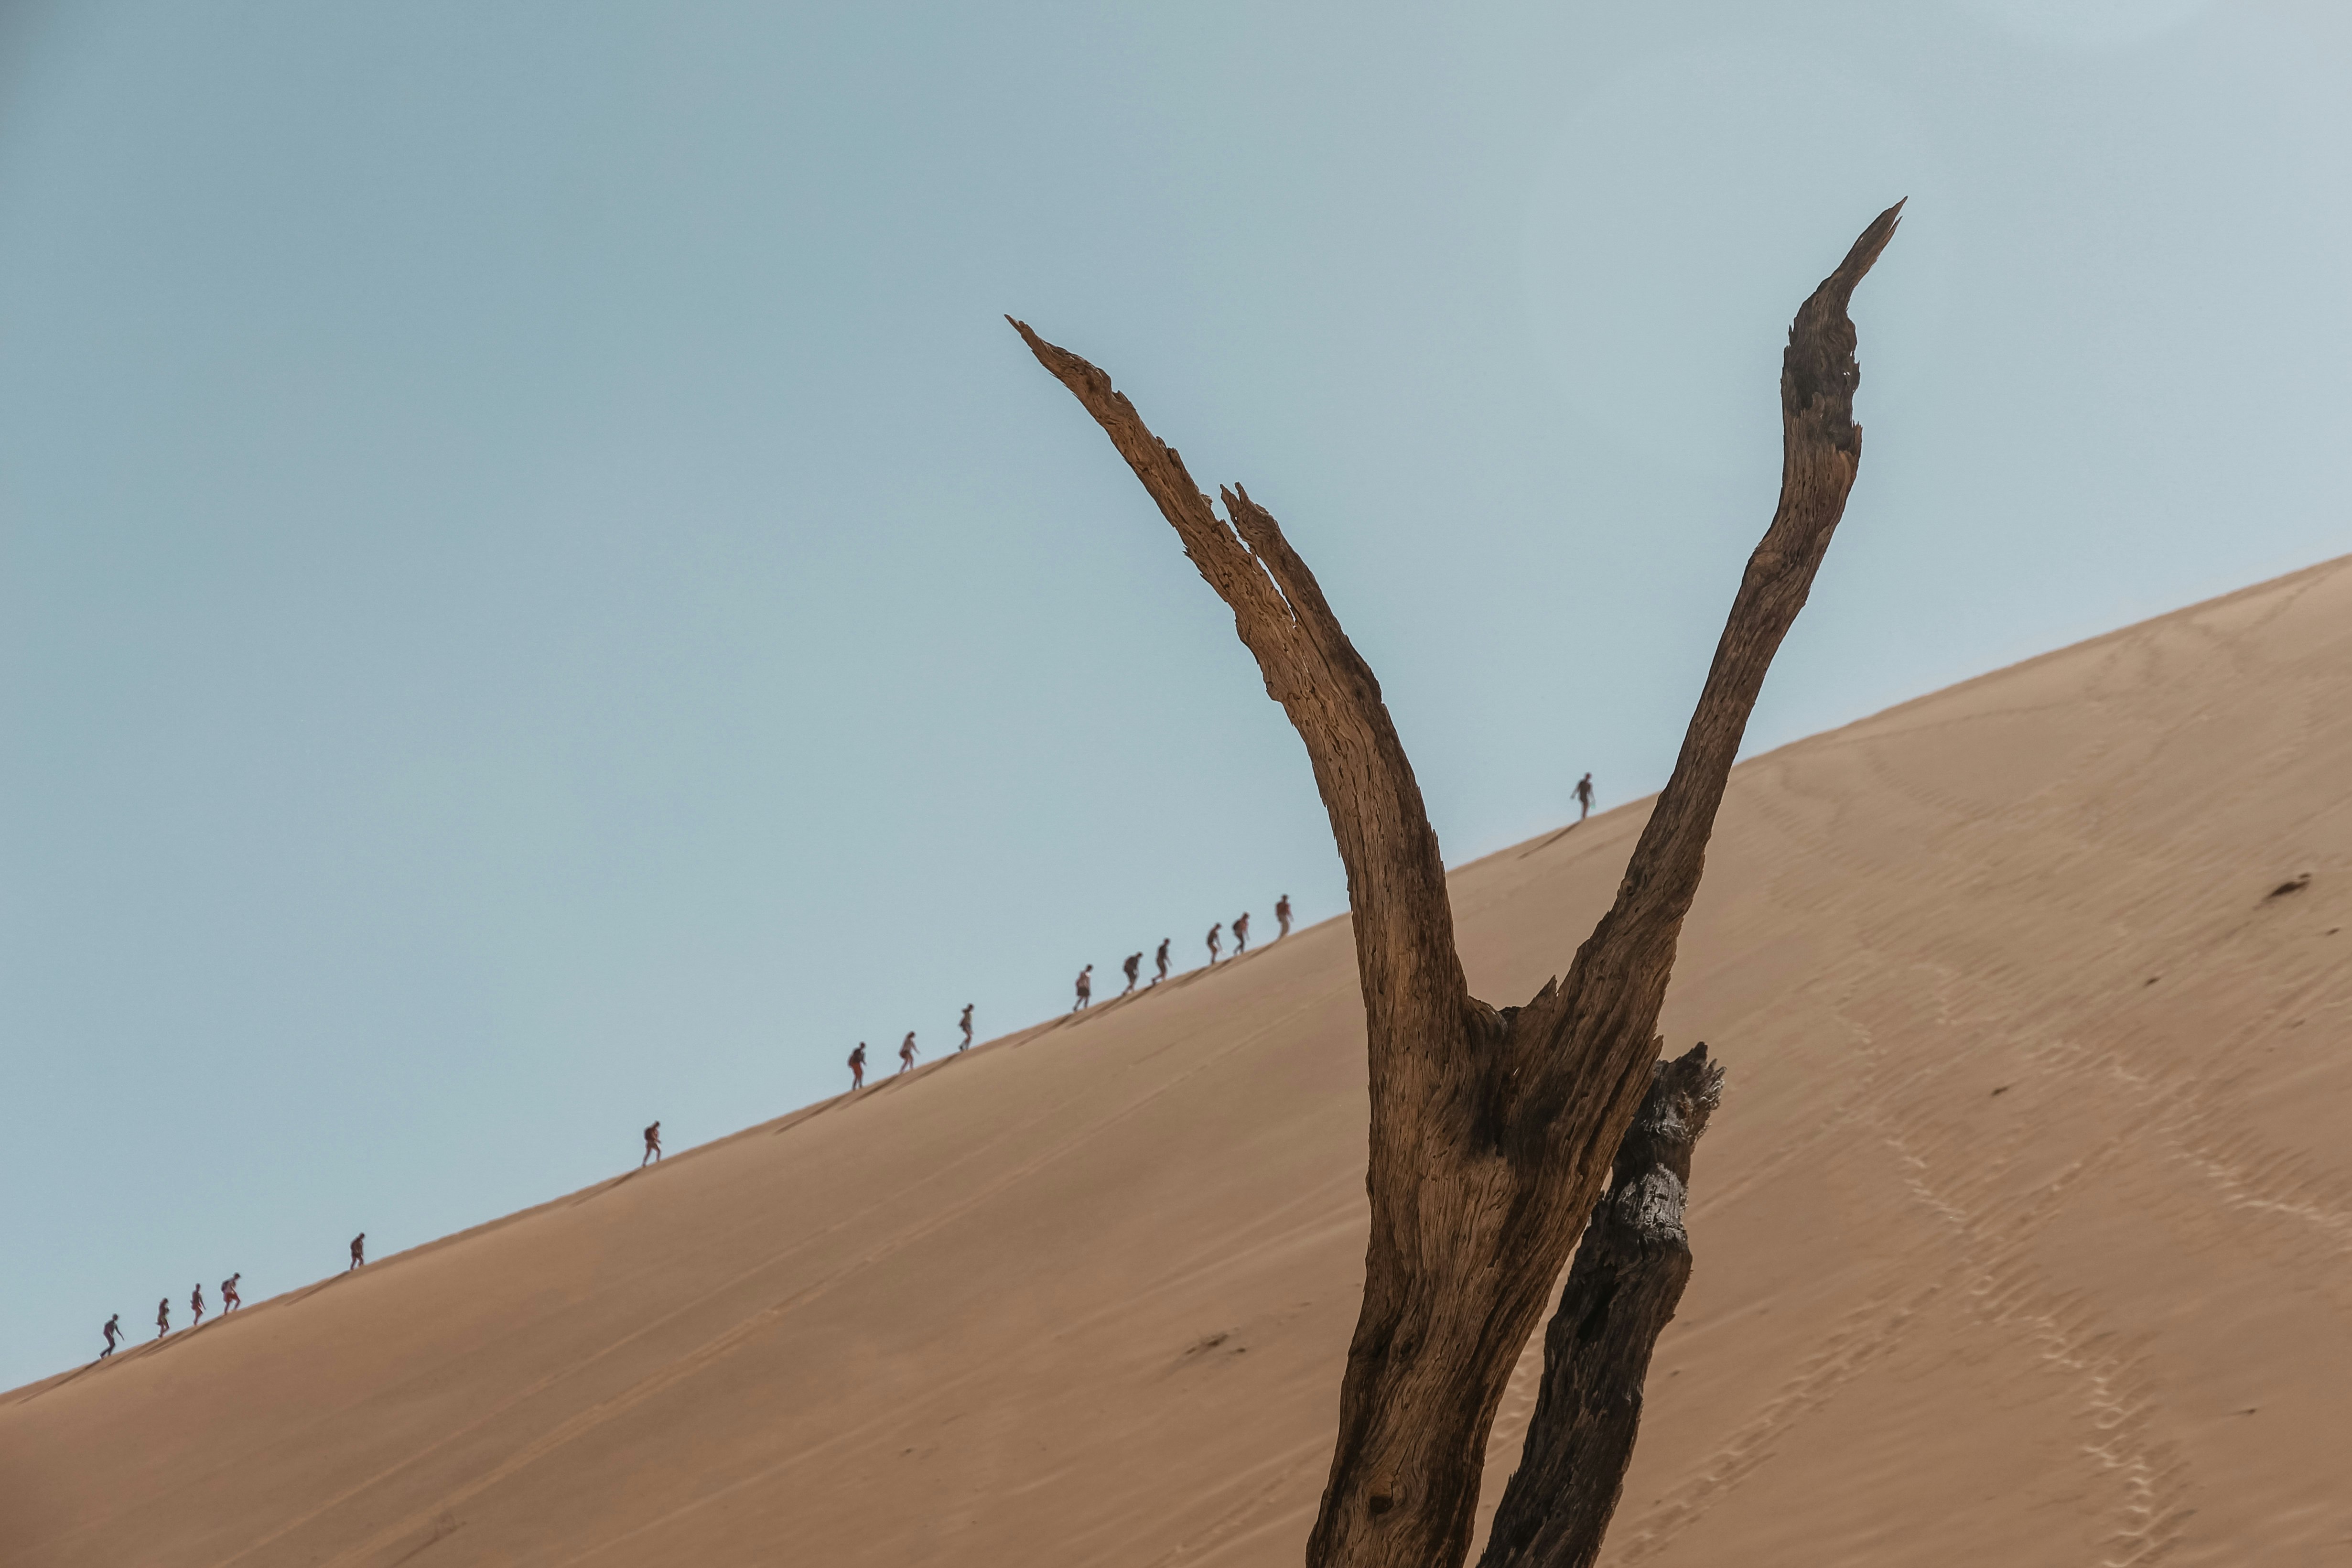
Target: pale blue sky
540,593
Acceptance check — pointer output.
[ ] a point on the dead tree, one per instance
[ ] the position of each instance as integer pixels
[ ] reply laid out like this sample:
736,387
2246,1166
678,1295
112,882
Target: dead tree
1491,1130
1622,1290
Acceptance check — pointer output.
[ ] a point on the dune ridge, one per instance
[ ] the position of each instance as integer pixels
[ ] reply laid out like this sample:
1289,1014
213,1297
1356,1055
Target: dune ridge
2024,1233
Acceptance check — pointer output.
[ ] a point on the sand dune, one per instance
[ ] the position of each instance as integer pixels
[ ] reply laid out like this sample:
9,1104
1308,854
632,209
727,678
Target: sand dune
2024,1236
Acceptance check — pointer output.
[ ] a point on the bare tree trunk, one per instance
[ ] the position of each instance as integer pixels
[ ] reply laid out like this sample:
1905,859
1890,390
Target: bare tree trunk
1492,1131
1622,1291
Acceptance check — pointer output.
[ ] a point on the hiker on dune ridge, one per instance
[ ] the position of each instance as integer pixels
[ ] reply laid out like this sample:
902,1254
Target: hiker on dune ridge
358,1251
1134,962
653,1146
907,1052
113,1332
857,1067
1241,933
230,1299
1584,797
965,1024
1212,942
1085,988
1282,914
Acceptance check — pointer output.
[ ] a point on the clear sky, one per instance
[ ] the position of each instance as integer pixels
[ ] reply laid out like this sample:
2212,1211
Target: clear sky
540,593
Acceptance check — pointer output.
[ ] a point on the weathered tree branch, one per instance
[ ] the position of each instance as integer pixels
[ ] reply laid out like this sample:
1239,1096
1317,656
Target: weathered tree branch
1406,959
1622,1291
1491,1132
1624,966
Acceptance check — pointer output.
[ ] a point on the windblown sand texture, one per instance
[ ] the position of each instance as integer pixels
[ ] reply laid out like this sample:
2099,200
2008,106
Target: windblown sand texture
2025,1235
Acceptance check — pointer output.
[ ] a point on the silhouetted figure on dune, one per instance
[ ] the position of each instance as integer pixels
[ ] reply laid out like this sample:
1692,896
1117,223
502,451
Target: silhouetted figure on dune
1584,797
857,1067
1214,943
1282,916
965,1024
907,1052
358,1251
1134,962
653,1146
1085,988
113,1332
162,1317
1162,961
230,1299
1241,933
196,1305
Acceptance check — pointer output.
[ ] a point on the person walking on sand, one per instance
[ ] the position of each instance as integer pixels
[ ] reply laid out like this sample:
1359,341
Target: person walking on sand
1134,962
196,1305
907,1052
358,1251
964,1024
230,1299
113,1332
857,1067
1212,942
1282,916
162,1317
653,1146
1085,988
1584,797
1162,961
1241,933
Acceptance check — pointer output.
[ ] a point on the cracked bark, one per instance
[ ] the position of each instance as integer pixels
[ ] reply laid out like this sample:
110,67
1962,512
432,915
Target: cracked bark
1622,1291
1492,1131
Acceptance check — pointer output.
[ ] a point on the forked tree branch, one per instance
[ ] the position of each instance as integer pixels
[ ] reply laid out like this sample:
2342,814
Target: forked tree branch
1492,1133
1412,978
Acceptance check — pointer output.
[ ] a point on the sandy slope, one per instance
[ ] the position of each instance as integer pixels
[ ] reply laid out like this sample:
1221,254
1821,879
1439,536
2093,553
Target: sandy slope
2025,1235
